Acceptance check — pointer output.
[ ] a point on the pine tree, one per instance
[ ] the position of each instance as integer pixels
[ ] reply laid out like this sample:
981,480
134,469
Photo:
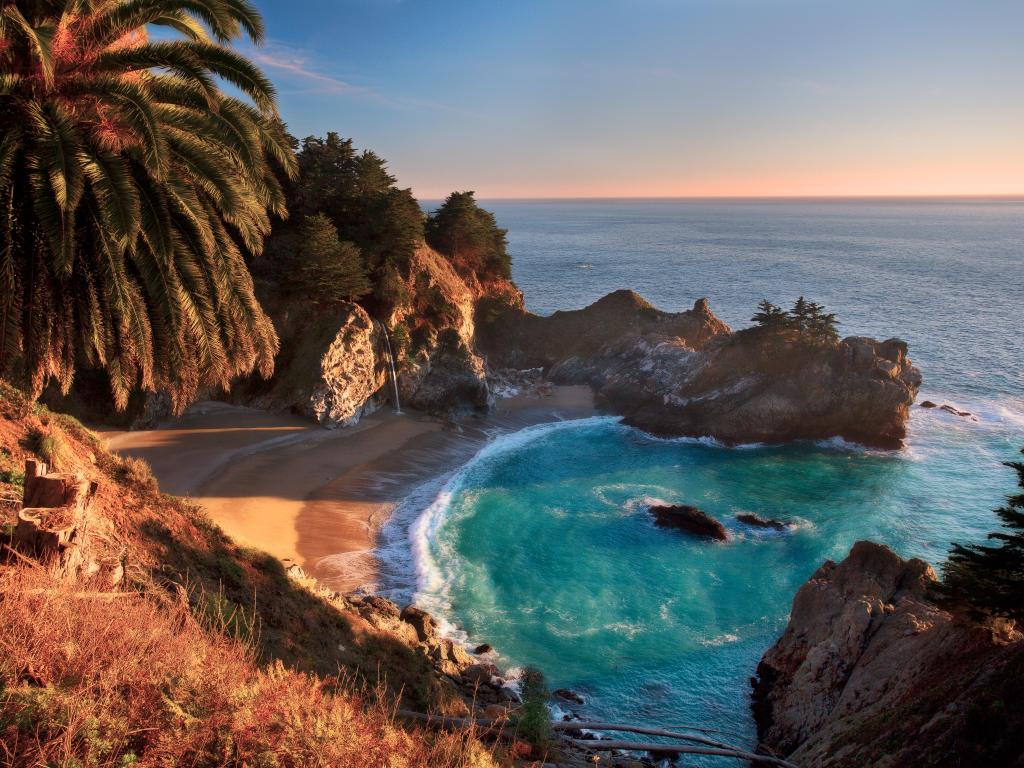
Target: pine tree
329,270
770,316
988,580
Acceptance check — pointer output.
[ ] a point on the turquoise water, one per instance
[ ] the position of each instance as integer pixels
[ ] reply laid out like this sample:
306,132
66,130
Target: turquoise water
543,546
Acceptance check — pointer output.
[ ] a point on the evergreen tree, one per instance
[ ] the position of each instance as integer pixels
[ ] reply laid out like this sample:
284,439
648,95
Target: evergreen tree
469,236
800,313
823,326
989,580
329,270
770,316
356,192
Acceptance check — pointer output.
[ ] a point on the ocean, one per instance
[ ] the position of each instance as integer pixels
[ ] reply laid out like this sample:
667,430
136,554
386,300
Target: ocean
542,545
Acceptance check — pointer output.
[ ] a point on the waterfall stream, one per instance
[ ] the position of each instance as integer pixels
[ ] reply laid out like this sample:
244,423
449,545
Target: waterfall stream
391,362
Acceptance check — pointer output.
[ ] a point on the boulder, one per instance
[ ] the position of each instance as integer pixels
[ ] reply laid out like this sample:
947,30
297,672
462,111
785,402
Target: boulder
482,649
761,522
690,519
480,674
330,367
424,624
447,650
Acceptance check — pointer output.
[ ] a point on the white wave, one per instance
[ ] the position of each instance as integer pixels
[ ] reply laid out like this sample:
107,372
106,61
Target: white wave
426,511
723,639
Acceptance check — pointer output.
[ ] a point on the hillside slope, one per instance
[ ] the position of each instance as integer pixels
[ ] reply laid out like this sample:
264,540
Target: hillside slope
164,643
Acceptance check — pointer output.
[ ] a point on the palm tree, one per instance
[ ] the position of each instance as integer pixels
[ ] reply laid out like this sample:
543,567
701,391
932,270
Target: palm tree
132,189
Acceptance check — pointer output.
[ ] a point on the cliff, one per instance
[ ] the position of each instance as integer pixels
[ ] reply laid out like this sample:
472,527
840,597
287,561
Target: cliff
334,363
687,373
870,672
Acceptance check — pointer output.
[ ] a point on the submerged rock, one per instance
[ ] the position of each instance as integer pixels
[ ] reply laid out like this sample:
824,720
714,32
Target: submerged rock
870,672
689,519
761,522
568,695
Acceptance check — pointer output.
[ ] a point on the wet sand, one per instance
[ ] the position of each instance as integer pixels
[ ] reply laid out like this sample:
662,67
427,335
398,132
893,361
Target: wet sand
318,497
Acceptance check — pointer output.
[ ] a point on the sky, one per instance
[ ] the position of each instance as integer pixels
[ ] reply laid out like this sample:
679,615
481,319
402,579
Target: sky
662,98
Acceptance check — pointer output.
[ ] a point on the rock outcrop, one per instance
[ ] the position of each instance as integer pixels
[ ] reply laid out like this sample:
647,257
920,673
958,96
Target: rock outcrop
870,672
330,367
687,373
690,519
439,370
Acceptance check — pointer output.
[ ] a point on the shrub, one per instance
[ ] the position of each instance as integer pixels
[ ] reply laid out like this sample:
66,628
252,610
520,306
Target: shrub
534,723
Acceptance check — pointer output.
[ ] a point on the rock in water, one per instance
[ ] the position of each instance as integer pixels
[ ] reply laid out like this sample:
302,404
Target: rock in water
870,672
687,373
568,695
689,519
761,522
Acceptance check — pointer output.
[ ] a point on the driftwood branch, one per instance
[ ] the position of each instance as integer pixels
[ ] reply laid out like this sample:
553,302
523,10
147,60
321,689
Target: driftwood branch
601,745
570,725
500,729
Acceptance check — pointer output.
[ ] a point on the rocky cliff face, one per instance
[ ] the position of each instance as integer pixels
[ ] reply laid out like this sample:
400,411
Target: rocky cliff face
330,367
687,373
870,672
334,366
439,371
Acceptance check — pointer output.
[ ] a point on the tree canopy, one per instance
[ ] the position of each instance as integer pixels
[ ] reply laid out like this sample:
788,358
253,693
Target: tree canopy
469,236
328,270
807,318
988,579
131,189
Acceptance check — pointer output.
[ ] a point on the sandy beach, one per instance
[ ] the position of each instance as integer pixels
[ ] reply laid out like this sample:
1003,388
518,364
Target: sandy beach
314,496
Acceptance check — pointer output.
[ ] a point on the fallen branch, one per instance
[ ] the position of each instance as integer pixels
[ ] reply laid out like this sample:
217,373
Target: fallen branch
671,734
597,745
600,745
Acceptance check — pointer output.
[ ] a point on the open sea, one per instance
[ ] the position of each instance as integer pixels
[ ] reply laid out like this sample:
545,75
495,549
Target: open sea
542,545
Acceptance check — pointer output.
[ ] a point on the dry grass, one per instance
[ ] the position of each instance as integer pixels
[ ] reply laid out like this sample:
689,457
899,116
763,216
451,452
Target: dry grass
132,681
216,659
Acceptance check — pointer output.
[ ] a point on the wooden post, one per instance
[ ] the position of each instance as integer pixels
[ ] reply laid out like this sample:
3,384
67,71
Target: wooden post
54,516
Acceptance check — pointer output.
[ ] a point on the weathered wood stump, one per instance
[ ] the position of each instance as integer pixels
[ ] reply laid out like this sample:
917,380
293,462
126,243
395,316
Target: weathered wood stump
54,518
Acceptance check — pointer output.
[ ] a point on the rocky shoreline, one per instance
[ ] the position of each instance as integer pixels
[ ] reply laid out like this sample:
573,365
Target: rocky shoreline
454,343
870,671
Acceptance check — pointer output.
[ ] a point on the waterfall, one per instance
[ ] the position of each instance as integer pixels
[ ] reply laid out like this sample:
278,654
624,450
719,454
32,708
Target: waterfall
391,362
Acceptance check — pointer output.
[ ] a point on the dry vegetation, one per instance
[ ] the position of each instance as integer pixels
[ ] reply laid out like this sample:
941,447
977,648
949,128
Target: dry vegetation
206,655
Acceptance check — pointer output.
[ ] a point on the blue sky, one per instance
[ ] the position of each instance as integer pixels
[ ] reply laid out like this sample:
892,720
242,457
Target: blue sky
653,97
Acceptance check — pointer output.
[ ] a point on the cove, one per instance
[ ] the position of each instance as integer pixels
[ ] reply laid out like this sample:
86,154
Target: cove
542,546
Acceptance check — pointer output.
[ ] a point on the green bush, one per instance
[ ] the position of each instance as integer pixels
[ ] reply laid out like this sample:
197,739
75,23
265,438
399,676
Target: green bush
534,723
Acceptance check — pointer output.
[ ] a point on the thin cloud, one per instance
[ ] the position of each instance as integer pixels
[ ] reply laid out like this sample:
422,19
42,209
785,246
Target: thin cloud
298,64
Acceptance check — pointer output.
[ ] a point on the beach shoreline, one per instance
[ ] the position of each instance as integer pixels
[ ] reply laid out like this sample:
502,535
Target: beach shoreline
314,497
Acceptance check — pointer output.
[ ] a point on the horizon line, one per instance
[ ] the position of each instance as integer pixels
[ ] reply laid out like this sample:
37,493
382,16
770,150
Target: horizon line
967,196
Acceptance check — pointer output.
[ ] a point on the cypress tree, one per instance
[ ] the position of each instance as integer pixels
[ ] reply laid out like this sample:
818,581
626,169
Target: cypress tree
329,270
469,236
770,316
988,580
